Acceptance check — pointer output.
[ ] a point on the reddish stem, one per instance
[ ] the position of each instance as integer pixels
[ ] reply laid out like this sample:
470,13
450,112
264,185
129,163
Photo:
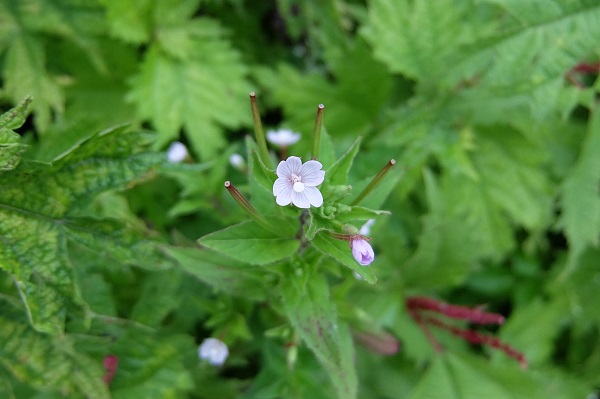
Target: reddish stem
475,316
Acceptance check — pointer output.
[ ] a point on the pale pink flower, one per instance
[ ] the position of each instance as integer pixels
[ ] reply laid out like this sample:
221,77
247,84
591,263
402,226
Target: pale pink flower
362,250
214,351
283,137
297,181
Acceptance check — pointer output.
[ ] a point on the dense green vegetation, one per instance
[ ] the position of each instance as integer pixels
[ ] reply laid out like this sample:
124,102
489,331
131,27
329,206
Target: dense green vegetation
117,261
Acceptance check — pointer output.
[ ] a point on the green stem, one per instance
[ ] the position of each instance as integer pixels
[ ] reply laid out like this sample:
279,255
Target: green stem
376,180
259,132
317,131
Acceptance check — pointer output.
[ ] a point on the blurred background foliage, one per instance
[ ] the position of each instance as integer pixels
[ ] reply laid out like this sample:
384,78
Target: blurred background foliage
490,108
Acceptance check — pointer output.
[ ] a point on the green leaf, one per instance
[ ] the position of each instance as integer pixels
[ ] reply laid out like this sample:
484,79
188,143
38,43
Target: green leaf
497,63
338,172
129,20
203,94
251,243
38,217
313,315
341,252
580,200
11,146
455,377
150,365
25,75
48,363
352,104
219,271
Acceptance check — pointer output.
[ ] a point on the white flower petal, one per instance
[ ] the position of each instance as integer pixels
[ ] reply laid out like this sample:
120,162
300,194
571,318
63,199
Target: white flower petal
311,172
284,197
300,199
290,166
214,351
314,196
281,184
283,137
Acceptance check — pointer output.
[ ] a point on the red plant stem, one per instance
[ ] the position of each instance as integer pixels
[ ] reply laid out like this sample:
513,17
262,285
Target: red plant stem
475,337
585,67
475,316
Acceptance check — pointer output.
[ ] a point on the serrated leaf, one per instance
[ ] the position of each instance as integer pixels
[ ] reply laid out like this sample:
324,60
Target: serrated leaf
47,362
341,252
150,365
251,243
514,63
352,103
11,145
37,220
25,75
455,377
222,272
129,20
202,94
313,315
580,200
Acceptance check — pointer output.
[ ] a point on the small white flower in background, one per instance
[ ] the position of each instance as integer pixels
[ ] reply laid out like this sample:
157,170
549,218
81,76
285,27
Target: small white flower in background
297,181
283,137
365,230
177,152
362,250
357,276
237,161
214,351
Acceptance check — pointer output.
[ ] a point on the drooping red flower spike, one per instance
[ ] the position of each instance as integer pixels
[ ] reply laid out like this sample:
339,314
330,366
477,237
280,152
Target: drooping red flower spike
418,307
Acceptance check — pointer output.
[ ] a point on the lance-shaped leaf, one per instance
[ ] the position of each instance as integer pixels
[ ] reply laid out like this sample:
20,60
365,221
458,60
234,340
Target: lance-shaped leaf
338,173
38,211
251,243
219,271
340,251
313,315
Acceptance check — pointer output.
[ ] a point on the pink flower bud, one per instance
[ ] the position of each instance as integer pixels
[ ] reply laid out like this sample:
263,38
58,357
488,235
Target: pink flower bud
362,250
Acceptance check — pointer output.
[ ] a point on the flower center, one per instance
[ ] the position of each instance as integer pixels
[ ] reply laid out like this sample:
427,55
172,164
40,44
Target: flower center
298,185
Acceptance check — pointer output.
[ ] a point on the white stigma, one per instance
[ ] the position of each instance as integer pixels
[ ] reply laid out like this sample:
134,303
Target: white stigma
298,185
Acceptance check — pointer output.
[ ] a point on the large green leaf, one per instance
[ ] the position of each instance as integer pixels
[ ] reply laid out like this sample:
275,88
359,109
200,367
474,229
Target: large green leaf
516,62
48,363
39,215
313,315
202,94
251,243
